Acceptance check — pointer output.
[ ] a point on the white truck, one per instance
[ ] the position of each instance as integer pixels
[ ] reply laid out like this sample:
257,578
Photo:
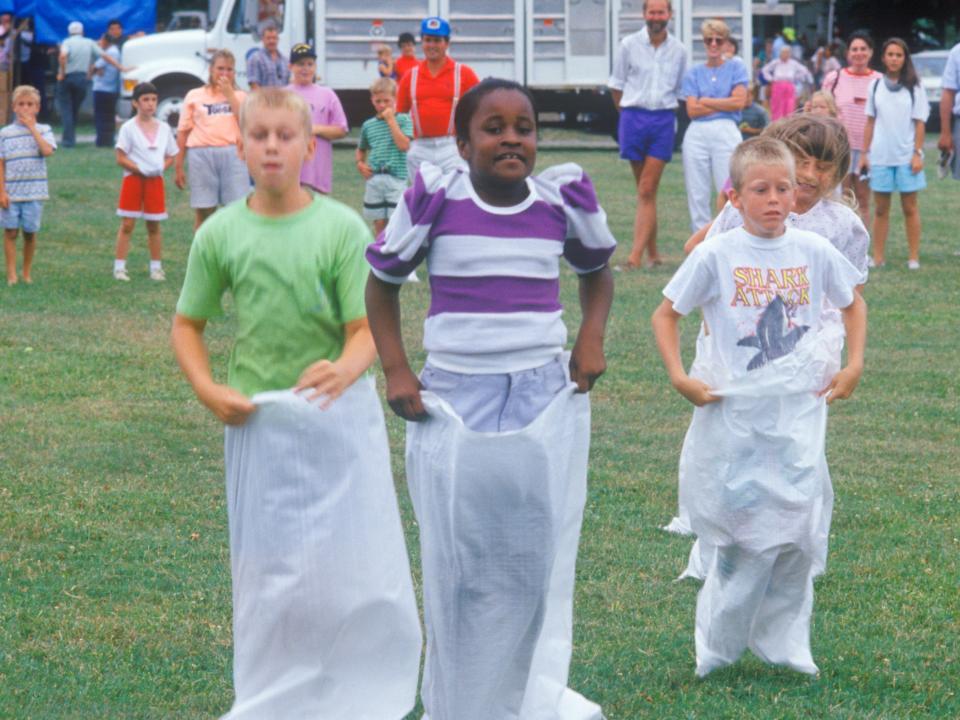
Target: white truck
561,49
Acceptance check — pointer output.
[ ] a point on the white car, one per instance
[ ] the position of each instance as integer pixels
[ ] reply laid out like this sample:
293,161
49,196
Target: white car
930,65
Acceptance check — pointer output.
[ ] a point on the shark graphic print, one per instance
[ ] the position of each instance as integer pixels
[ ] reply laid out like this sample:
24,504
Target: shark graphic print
775,337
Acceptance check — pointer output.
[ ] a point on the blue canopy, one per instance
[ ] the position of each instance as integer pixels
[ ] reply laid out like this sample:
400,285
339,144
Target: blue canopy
51,17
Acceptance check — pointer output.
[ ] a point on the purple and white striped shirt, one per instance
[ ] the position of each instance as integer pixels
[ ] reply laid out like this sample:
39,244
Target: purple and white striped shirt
494,271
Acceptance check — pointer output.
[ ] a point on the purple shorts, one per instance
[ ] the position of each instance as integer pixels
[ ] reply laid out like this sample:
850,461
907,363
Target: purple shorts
647,132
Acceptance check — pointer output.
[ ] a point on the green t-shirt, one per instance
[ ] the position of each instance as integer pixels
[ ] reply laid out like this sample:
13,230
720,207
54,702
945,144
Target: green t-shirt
376,137
295,280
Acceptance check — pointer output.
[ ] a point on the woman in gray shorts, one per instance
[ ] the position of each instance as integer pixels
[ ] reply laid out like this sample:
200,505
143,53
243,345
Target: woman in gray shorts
208,133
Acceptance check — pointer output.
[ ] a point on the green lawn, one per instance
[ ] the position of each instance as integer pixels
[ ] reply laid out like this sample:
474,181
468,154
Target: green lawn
114,569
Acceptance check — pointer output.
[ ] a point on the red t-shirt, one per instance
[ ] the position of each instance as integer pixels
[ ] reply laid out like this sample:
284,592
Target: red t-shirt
404,63
434,97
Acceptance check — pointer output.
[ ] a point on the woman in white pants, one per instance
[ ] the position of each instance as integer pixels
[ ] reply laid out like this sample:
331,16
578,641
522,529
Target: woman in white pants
716,92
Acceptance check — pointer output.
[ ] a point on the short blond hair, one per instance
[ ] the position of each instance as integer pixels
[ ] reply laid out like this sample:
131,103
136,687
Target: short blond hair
383,85
22,90
715,26
274,98
760,151
828,101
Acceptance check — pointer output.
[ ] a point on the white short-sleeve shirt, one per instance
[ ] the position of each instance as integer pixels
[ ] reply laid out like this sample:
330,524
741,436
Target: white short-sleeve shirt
894,130
149,155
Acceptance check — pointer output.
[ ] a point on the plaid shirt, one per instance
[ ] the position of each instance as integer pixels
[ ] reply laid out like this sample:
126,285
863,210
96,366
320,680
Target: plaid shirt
265,70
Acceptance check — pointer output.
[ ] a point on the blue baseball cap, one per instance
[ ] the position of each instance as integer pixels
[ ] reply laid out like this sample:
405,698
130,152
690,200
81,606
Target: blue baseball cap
436,26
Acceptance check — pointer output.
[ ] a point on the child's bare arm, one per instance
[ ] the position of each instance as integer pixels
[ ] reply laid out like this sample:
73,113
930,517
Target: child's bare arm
45,148
403,387
666,330
698,237
180,177
4,198
126,163
186,336
330,379
329,132
168,161
587,361
855,322
365,170
399,139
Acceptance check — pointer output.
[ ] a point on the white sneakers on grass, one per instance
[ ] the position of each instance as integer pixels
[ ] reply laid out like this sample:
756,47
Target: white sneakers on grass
156,274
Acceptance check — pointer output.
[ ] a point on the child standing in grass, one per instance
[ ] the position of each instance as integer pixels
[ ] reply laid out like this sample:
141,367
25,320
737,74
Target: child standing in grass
24,146
325,622
753,466
329,122
381,154
496,450
145,149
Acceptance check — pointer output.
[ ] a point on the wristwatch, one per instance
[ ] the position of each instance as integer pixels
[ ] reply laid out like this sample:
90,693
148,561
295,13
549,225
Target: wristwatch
919,152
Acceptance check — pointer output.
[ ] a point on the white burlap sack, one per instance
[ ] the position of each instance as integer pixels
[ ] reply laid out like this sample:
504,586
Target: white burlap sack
324,616
500,517
755,485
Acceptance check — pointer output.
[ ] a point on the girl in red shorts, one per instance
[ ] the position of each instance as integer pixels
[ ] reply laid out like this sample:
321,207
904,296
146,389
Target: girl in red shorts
145,149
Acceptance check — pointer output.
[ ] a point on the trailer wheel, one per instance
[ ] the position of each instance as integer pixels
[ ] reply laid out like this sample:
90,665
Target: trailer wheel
171,101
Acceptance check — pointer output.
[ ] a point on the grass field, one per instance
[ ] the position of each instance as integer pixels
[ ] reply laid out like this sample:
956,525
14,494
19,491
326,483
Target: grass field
114,569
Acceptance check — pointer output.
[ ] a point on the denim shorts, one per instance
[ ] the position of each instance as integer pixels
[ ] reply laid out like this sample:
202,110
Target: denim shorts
896,178
381,194
26,215
497,402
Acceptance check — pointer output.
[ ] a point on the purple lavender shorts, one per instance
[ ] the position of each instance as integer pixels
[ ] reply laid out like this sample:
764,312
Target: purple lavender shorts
646,132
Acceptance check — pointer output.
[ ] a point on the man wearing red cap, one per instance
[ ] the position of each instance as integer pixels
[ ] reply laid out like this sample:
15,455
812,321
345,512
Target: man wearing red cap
430,92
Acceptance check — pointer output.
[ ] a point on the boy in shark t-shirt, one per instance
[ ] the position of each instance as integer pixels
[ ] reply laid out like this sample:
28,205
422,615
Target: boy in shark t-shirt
753,468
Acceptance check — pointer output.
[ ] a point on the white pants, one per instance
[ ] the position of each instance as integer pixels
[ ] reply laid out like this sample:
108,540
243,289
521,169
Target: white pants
707,147
441,151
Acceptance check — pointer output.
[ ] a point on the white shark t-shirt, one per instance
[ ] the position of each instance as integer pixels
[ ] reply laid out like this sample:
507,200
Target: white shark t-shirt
758,295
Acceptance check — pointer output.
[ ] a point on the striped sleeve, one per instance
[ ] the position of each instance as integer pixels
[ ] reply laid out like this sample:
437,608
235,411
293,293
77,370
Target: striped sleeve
404,244
589,243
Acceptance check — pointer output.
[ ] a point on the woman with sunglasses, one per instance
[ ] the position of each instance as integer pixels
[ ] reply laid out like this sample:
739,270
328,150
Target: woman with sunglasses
716,92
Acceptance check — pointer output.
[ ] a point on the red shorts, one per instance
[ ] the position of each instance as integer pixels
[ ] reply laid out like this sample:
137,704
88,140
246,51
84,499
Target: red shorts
142,197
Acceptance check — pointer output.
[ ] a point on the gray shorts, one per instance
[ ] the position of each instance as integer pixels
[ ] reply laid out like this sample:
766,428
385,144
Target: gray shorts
497,402
381,194
217,176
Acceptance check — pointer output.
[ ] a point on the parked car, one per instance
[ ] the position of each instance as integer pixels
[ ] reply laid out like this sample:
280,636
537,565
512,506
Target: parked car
930,65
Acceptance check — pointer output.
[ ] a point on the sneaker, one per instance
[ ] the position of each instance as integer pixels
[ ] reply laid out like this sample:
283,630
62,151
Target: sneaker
913,264
871,263
158,275
121,274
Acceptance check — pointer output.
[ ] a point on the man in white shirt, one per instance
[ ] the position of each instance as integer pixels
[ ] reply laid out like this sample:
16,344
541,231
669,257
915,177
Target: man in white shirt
645,83
950,109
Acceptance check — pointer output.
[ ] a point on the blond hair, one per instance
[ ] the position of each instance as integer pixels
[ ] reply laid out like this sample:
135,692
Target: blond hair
828,101
759,151
383,85
715,26
21,90
274,98
222,54
822,138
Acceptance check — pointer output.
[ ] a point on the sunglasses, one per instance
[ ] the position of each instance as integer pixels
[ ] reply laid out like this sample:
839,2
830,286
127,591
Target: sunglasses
714,41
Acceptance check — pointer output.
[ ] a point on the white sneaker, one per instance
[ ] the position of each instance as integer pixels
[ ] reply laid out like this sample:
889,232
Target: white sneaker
157,275
913,264
121,274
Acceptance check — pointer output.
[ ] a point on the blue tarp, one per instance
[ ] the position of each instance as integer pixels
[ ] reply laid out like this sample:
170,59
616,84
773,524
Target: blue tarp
53,16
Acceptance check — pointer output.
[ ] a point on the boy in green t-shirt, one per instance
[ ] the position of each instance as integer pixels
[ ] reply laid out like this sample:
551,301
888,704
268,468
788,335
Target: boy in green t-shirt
315,534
